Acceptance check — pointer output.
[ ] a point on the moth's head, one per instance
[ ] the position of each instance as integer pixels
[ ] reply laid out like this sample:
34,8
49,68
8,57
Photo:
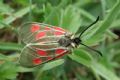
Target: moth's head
75,41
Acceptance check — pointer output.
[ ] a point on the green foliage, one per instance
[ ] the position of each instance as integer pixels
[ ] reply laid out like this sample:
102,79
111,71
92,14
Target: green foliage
8,70
71,15
53,64
10,46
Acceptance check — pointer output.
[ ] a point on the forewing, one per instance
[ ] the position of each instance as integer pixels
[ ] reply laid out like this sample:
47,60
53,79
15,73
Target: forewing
34,32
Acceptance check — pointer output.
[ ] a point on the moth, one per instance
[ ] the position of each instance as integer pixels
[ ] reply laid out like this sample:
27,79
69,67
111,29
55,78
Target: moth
45,42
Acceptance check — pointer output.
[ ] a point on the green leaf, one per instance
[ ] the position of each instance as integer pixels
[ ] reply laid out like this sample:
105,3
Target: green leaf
22,69
110,18
104,71
3,57
52,64
8,70
115,45
49,17
10,46
107,22
5,9
116,24
83,54
103,3
16,15
95,33
82,57
87,15
70,18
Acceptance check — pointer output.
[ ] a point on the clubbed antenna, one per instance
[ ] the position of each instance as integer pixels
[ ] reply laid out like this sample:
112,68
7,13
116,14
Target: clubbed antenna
84,31
92,49
89,26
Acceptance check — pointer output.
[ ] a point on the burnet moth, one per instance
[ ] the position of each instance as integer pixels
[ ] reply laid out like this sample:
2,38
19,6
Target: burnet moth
44,43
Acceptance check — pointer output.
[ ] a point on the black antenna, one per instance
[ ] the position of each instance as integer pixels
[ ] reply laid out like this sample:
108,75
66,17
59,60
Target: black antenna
92,49
89,26
79,41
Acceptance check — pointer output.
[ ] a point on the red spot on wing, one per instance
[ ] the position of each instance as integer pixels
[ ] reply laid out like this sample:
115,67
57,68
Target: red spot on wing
59,29
59,56
49,58
40,35
35,27
57,33
37,61
47,28
60,51
42,53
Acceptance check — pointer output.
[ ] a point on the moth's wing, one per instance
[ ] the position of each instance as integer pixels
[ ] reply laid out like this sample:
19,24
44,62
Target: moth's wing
36,54
33,32
41,43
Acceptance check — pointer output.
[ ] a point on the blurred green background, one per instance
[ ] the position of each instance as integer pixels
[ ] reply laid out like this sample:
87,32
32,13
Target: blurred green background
82,64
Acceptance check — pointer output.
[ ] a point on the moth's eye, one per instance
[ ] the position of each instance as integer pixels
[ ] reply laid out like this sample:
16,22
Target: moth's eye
77,40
